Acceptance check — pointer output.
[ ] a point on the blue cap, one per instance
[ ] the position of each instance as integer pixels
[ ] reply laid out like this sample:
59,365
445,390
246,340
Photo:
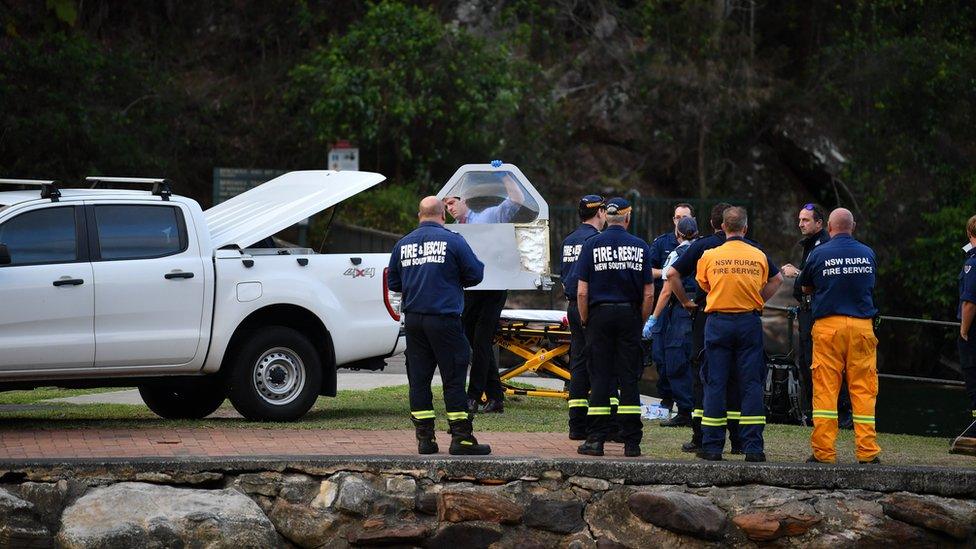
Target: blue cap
496,163
618,206
687,227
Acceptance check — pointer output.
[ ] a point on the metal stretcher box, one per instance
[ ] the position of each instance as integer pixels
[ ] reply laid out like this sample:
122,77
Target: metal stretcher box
505,221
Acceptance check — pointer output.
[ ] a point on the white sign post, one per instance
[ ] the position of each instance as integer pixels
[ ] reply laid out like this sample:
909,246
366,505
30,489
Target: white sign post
343,156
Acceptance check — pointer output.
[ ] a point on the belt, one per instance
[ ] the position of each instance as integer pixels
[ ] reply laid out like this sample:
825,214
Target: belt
720,313
626,304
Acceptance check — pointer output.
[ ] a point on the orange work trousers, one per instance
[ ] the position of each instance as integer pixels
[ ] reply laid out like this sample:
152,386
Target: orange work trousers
843,343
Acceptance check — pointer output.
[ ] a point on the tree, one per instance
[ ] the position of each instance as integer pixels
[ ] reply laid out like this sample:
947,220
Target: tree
410,90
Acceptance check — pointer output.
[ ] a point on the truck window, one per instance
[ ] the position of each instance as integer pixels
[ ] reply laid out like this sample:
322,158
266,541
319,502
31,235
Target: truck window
41,237
139,232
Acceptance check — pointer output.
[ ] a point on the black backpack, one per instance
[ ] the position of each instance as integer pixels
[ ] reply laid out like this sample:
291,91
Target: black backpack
783,394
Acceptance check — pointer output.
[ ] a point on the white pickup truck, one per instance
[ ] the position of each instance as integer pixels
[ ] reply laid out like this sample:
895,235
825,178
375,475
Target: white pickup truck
104,287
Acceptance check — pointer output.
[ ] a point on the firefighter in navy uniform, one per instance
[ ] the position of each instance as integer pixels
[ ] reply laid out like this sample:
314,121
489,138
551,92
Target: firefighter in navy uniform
677,336
430,267
661,248
967,314
592,218
840,274
615,295
813,226
739,279
684,267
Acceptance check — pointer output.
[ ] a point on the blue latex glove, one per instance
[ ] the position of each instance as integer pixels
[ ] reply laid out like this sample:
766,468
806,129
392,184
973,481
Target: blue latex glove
651,320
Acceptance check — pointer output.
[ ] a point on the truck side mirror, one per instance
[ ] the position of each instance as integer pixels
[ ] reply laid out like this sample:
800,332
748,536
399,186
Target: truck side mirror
4,255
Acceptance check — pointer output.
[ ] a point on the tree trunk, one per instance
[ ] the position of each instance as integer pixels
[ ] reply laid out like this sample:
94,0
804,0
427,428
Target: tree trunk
702,176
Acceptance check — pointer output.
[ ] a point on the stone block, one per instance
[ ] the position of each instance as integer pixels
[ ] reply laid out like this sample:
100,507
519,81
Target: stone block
679,512
770,525
472,505
955,519
561,517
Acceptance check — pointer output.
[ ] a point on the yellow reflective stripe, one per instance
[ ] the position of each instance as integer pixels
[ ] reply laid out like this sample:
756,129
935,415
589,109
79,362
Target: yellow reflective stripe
826,414
733,415
598,411
714,421
457,415
578,403
614,401
974,413
628,409
752,420
697,412
864,419
423,414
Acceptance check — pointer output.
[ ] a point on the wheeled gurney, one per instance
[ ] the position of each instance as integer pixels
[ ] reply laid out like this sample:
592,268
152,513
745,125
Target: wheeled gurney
541,338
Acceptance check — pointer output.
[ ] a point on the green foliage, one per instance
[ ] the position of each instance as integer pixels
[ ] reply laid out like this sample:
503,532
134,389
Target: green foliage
903,75
67,108
388,207
407,87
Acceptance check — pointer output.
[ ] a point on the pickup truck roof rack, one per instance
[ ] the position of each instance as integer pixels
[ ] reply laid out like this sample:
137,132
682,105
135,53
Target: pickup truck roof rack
49,187
160,187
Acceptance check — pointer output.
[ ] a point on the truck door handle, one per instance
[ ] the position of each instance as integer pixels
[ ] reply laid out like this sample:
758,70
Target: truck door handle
69,282
171,276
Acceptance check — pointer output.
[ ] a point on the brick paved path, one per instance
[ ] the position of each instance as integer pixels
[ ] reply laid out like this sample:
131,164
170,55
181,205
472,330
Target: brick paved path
106,443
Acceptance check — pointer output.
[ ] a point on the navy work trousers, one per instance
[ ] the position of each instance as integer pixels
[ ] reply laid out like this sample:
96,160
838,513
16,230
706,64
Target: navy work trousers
613,335
482,309
658,344
967,359
734,345
436,341
698,361
677,356
579,380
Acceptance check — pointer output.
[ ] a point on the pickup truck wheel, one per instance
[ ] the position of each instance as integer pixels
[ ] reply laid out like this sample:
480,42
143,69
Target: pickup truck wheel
276,377
193,399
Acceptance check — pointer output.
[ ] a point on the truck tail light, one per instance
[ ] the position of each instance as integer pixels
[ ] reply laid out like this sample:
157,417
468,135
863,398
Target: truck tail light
391,299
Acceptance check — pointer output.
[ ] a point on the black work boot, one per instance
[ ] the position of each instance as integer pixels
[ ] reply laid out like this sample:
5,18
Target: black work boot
682,419
632,449
696,437
463,442
592,447
426,442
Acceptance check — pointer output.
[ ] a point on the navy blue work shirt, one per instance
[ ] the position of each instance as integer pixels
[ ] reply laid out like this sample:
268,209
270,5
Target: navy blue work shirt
842,273
687,264
430,266
967,281
662,246
616,266
808,243
571,250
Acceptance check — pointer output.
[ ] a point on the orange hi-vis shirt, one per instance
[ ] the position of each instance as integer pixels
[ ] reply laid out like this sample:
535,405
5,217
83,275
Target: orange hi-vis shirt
733,274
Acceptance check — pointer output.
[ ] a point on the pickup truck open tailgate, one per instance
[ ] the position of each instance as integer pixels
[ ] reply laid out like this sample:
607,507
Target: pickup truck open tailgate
280,203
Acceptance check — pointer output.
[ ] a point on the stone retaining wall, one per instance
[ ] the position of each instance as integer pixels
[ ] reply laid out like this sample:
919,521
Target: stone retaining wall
479,503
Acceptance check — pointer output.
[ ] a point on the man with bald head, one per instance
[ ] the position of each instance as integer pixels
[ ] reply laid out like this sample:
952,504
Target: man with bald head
840,274
431,266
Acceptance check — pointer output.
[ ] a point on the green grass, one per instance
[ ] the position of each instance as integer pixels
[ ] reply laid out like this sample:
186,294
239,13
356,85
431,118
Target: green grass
44,393
386,408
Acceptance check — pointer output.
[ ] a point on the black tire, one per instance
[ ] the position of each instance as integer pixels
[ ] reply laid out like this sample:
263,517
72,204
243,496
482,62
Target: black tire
190,398
276,375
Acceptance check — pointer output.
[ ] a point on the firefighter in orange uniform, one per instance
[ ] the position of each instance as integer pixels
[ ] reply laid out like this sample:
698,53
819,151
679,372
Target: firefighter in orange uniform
841,274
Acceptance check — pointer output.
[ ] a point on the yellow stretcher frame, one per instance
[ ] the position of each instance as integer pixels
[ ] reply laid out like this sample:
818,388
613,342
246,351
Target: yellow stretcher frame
544,346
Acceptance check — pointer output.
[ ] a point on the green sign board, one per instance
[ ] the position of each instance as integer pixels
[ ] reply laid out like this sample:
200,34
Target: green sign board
230,182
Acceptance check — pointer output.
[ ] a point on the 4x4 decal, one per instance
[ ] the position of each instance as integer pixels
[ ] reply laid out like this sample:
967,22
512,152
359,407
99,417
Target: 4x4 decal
356,273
